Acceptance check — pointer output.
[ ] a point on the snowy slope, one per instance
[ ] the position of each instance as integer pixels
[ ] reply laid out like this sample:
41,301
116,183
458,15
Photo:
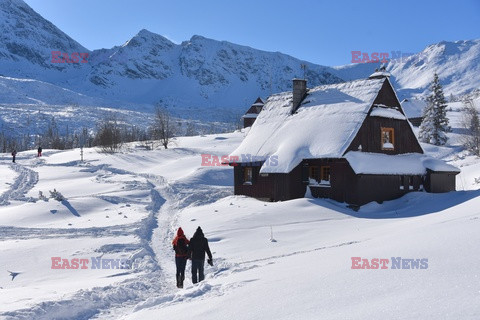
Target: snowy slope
27,42
457,64
198,78
279,260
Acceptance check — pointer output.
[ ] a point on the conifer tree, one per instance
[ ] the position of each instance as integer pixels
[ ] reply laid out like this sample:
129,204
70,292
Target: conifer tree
435,122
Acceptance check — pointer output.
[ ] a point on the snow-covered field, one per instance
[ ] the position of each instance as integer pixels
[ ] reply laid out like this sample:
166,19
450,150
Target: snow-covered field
284,260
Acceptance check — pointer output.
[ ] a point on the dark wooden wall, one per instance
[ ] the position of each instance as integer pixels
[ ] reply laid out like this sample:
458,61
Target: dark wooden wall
248,122
346,186
383,188
438,182
369,136
272,187
341,177
387,96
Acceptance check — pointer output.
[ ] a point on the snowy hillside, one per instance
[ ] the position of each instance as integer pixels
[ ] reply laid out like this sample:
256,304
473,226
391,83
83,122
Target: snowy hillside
27,41
284,260
199,78
457,64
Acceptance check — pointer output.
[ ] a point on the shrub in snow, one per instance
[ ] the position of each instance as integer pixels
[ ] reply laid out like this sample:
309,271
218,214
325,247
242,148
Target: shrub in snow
471,123
435,122
56,195
41,196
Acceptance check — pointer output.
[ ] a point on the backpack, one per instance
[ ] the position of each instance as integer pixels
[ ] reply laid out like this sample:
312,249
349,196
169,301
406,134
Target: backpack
181,248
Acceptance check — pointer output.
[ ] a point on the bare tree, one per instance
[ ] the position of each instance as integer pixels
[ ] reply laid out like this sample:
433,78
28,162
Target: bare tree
471,122
163,127
190,131
108,136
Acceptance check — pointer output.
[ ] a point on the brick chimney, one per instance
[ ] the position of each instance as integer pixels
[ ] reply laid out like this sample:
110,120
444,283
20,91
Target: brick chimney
299,92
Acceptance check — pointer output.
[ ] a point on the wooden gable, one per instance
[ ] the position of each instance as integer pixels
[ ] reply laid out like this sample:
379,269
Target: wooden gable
369,136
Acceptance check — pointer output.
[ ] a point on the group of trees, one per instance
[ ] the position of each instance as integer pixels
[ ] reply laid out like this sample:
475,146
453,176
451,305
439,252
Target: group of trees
50,138
110,133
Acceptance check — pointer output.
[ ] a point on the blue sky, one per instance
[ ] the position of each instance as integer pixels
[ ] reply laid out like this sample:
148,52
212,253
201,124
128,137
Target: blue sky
323,32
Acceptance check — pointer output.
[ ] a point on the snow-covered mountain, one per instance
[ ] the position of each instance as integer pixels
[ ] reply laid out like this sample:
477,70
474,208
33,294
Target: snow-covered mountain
27,41
457,64
197,75
200,78
200,72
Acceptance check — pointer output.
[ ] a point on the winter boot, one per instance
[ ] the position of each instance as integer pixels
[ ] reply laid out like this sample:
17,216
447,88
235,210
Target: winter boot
179,281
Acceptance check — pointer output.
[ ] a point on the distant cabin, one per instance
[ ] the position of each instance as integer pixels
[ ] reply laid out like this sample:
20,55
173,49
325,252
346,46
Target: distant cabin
350,142
414,109
251,115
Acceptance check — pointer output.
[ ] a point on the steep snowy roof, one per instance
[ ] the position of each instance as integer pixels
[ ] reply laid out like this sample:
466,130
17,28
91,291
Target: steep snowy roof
322,127
402,164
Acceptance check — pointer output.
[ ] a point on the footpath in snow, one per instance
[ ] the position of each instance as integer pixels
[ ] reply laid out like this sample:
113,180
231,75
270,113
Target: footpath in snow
271,260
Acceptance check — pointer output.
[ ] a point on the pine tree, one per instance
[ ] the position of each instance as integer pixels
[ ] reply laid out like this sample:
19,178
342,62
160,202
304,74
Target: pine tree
435,122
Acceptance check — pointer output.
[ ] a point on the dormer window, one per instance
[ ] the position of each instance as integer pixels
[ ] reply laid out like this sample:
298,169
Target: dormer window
388,139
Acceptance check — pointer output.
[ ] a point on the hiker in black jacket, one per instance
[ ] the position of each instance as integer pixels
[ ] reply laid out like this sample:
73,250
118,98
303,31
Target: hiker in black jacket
198,246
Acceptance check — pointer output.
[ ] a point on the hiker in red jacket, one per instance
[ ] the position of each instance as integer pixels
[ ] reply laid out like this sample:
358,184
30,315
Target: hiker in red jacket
180,245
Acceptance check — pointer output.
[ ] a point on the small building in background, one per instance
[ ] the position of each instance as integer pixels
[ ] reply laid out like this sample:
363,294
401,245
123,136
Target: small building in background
251,115
413,110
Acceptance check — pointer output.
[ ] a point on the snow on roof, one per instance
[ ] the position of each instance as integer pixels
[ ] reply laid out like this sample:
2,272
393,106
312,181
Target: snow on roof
383,112
413,108
401,164
250,115
258,104
322,127
380,73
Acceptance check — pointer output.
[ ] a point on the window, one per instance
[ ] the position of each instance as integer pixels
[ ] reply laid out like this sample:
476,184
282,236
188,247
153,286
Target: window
407,181
388,138
247,175
319,174
410,183
314,173
325,173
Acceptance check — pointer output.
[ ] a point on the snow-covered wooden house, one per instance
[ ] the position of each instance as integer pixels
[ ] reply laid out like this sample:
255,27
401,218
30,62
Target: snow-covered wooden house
349,141
251,115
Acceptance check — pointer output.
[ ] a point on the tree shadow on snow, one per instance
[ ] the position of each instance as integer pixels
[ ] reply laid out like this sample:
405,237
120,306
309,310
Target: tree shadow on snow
69,207
410,205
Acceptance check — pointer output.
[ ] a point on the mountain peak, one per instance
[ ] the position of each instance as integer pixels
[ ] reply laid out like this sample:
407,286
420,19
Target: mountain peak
145,37
197,37
146,33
